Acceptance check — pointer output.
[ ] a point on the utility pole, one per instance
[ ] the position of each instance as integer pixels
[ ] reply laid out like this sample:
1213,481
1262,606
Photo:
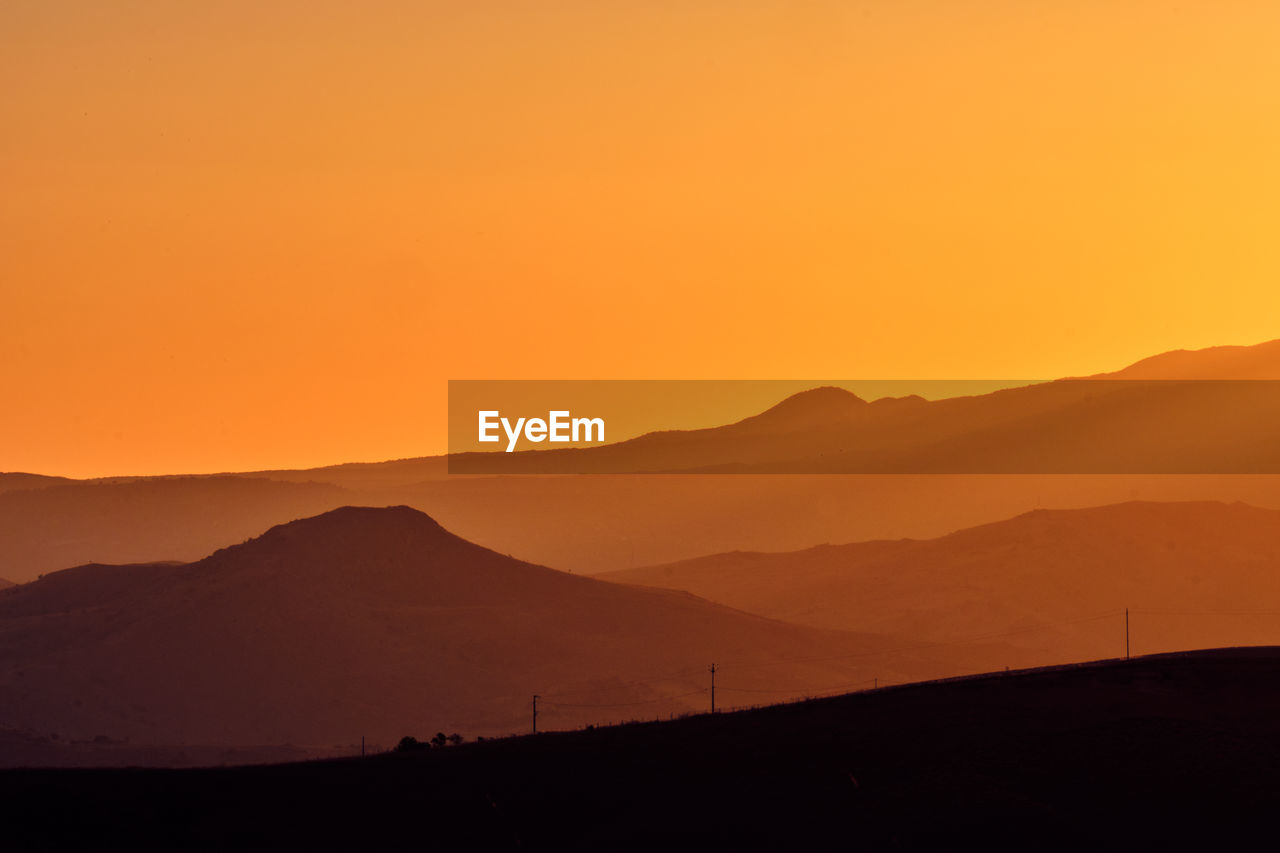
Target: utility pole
1126,633
535,713
713,688
362,746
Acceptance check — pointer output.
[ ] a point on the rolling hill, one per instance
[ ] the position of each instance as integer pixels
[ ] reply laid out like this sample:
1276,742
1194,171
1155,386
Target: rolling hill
378,622
1163,753
16,480
1053,583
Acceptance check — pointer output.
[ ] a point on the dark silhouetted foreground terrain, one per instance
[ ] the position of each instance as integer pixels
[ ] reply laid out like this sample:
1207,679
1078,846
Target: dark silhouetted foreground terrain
1172,751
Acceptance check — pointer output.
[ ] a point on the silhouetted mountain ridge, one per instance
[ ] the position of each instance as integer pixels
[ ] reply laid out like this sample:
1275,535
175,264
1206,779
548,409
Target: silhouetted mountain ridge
593,524
370,621
1194,571
815,407
1260,361
398,553
12,481
1151,425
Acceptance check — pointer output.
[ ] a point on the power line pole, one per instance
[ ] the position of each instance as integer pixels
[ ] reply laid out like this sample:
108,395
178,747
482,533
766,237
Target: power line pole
362,746
535,713
713,688
1126,633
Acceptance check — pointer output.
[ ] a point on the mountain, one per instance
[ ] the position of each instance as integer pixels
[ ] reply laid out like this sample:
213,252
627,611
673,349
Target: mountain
1261,361
591,524
144,519
815,408
4,584
586,524
378,623
1143,420
1053,583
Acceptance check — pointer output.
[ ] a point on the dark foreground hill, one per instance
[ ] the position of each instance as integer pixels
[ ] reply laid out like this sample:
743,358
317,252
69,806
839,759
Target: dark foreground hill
1172,751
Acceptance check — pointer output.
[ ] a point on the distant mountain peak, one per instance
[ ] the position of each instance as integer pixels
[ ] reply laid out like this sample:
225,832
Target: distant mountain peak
360,519
360,516
816,406
348,533
823,395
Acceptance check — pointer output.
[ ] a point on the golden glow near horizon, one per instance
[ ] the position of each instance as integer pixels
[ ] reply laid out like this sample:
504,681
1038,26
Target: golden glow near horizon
266,234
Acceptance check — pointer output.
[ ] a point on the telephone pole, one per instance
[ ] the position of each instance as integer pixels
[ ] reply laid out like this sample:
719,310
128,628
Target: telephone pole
1126,633
713,688
535,713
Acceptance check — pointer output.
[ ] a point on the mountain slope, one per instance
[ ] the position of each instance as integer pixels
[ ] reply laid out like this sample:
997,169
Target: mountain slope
378,622
1101,425
155,518
1260,361
1191,572
590,524
11,481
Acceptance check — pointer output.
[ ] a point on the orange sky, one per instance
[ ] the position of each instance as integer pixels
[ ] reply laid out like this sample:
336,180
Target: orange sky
266,234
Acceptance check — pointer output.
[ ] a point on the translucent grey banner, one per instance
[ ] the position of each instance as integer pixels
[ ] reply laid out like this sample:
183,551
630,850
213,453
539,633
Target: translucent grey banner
1068,426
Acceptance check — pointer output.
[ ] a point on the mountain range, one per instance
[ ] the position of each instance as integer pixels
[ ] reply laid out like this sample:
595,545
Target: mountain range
1260,361
604,522
377,622
1136,421
1052,583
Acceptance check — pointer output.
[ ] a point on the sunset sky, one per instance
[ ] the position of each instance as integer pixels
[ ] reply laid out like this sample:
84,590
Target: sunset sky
265,234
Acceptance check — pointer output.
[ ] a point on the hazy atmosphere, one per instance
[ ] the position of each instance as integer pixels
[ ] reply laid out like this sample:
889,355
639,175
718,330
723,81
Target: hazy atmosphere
841,425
